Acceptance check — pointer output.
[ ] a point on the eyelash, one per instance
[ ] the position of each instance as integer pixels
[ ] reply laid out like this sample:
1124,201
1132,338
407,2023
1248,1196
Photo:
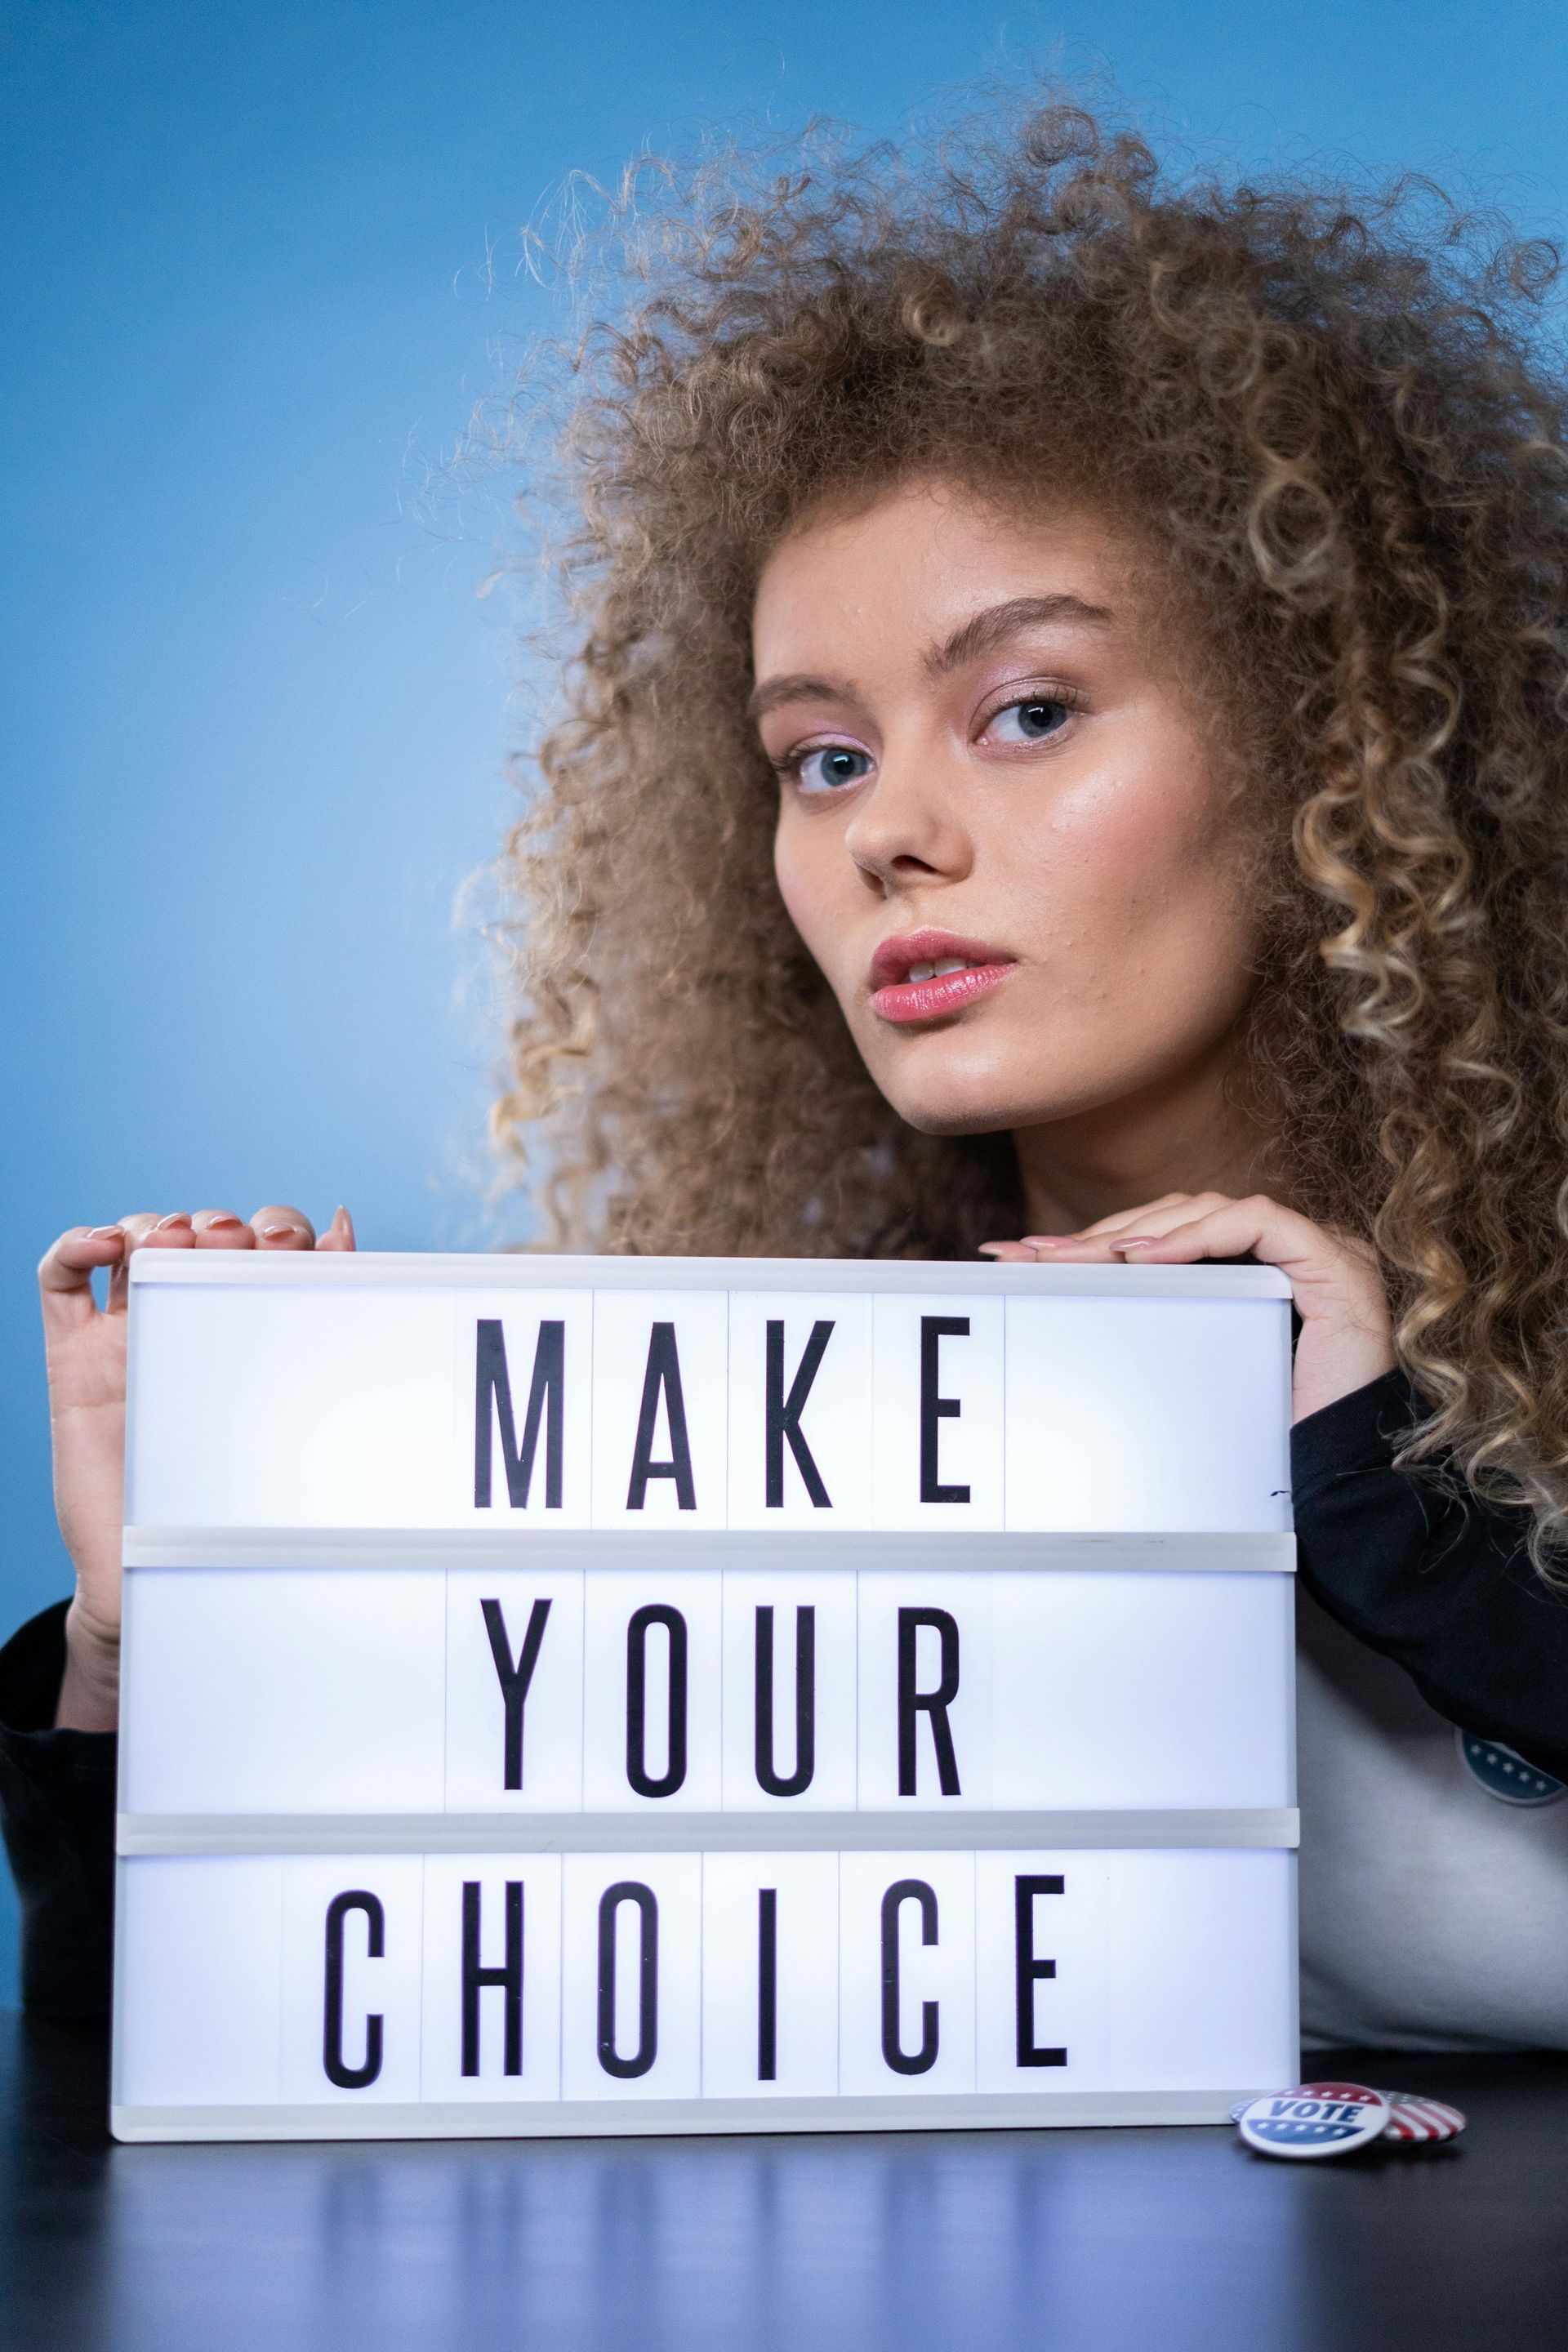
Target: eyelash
1061,698
792,762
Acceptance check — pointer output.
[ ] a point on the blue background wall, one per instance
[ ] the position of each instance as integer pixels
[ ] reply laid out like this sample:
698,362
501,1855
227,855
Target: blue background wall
253,716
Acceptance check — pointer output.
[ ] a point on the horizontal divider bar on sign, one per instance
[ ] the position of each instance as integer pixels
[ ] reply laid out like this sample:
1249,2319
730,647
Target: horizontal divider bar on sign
438,1270
588,1548
598,2118
691,1833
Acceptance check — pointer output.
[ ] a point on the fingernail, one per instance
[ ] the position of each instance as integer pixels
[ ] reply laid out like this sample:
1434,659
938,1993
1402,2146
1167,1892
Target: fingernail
341,1222
987,1249
176,1217
277,1233
1047,1241
105,1233
221,1220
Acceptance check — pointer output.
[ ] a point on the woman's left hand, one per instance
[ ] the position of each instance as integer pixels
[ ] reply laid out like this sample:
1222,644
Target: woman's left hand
1347,1333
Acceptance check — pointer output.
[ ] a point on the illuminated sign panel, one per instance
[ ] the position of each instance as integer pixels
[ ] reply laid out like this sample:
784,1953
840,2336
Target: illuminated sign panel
591,1694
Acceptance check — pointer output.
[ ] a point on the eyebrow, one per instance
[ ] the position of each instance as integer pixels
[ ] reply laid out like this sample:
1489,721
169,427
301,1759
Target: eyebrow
981,635
798,686
993,627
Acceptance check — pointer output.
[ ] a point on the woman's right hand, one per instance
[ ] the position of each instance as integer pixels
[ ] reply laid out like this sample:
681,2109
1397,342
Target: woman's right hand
85,1349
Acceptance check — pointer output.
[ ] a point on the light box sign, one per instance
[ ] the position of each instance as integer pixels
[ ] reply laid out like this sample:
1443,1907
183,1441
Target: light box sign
594,1695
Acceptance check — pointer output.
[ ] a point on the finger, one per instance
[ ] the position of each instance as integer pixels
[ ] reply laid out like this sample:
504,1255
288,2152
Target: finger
1099,1244
1011,1253
147,1230
221,1228
1257,1227
1115,1224
1092,1248
66,1272
1072,1249
279,1227
339,1233
69,1263
1335,1283
1155,1217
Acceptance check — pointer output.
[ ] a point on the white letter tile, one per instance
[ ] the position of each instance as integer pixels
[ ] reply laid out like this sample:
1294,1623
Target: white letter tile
937,1419
279,1690
937,1622
831,1425
829,1594
537,2000
545,1360
783,2015
875,1925
617,1634
666,1904
388,1986
549,1758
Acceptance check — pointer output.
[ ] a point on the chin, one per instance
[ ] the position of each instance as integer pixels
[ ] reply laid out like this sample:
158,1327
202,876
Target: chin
958,1103
944,1086
959,1122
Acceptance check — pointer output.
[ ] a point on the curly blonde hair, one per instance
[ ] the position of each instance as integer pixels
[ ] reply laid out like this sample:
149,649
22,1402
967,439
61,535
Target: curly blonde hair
1334,422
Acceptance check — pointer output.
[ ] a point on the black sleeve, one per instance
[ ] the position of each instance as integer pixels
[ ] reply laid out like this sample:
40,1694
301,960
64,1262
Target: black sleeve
57,1813
1429,1576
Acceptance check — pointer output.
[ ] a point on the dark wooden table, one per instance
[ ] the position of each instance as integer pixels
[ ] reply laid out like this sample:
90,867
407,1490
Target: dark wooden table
1087,2241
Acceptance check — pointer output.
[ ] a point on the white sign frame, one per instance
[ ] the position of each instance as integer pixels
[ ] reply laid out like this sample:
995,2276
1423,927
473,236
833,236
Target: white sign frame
990,1541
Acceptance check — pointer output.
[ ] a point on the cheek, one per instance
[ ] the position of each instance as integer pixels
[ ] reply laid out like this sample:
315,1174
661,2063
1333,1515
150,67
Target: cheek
1142,853
806,867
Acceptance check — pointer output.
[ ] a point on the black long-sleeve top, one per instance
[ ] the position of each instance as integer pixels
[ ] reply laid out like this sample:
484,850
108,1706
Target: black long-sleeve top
1434,1579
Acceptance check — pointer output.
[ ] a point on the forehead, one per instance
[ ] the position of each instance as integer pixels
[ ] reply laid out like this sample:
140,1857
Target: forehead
920,560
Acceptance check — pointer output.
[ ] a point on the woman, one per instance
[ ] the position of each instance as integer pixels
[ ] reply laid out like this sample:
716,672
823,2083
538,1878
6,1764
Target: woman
1068,744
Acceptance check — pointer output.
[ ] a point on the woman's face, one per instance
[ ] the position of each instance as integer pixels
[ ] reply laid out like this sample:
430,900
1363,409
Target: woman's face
1002,833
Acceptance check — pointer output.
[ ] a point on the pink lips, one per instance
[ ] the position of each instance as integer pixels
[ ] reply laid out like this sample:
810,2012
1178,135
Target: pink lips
896,997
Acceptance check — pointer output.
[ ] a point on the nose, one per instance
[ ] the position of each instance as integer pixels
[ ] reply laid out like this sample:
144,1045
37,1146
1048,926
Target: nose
910,827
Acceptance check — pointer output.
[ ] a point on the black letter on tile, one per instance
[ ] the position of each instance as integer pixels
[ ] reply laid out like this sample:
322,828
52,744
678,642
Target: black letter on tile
346,2077
767,1984
514,1678
1029,1970
546,1402
777,1783
663,1372
783,1414
906,1890
627,1890
508,1978
637,1773
934,1702
934,1329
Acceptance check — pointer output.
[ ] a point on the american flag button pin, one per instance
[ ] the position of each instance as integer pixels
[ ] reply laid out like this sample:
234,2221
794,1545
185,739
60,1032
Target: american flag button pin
1415,2119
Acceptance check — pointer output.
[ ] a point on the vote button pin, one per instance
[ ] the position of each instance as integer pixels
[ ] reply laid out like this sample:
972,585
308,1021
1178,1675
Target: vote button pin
1315,2119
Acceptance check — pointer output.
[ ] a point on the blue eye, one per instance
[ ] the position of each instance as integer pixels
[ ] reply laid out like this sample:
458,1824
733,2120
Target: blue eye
831,768
1030,721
